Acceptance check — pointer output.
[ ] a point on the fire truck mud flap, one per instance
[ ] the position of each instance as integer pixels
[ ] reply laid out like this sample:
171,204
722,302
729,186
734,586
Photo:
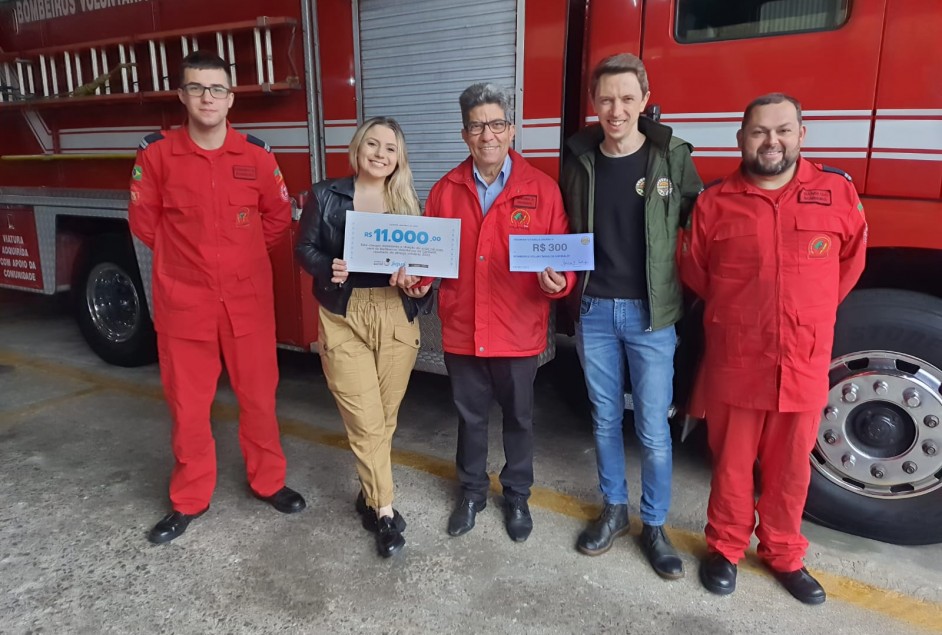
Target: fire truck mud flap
110,305
877,463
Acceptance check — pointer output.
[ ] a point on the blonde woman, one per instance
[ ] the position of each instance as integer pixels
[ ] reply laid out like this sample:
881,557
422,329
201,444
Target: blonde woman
368,332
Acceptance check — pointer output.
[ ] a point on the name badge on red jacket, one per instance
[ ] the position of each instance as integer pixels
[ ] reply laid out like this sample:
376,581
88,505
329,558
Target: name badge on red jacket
821,197
243,172
527,201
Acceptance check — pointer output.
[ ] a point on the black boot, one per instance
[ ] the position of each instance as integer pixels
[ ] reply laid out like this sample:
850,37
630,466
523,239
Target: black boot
171,526
801,585
718,574
661,553
597,538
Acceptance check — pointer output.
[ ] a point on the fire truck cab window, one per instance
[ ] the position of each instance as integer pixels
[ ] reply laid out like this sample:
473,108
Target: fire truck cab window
712,20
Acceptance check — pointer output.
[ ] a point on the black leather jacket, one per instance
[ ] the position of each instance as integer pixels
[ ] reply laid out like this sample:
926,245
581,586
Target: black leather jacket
320,240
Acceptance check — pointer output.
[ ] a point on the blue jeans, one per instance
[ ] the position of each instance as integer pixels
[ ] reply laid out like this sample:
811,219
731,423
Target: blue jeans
609,333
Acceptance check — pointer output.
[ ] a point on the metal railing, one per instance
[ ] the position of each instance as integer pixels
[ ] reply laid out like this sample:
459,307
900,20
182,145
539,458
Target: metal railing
143,65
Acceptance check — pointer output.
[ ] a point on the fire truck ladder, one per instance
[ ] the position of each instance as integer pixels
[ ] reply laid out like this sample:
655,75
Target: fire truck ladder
141,67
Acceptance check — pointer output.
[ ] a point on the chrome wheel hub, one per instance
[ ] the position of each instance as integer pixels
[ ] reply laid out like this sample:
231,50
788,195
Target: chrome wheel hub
113,303
880,434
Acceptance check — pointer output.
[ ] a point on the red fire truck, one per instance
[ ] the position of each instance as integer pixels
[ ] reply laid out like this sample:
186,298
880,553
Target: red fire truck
81,81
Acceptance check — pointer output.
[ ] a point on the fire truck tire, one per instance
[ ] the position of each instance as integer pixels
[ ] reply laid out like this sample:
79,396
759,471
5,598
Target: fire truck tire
110,304
877,464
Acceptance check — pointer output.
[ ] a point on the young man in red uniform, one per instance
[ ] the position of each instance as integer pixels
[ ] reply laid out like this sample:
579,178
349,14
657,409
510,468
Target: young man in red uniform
773,249
210,202
494,321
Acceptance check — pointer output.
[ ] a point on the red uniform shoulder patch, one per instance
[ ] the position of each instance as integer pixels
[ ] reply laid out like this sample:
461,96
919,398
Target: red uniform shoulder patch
821,197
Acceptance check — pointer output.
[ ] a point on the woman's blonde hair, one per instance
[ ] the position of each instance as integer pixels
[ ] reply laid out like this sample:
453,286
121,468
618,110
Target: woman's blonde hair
399,192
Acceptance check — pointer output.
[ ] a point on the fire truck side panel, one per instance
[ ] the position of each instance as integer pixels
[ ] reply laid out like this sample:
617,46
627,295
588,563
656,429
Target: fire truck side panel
702,86
907,139
113,125
611,27
20,254
338,82
543,72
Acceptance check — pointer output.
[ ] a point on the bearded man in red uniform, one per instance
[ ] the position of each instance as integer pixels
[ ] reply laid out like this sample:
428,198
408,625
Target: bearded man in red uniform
772,250
210,202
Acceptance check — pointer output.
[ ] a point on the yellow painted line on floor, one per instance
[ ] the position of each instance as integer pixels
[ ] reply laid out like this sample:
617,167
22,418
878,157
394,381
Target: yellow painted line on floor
13,416
915,612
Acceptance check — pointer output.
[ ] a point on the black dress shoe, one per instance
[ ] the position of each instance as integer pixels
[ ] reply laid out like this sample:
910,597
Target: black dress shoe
389,540
461,520
801,585
285,500
517,518
598,537
661,553
718,574
171,526
368,516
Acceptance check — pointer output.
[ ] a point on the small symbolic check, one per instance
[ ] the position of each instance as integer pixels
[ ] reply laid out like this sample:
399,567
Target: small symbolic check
562,252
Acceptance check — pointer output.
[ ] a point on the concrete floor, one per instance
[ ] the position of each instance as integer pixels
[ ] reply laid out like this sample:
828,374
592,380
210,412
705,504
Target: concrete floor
84,465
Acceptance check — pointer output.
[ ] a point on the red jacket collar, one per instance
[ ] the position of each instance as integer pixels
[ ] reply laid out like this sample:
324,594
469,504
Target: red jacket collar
183,144
464,170
737,182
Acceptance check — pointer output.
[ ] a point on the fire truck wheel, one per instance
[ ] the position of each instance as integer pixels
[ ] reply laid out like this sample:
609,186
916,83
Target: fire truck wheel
877,463
110,305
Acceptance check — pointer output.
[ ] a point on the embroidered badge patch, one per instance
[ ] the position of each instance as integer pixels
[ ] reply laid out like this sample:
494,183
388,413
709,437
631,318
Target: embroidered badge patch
278,178
821,197
639,186
137,173
284,193
520,219
242,218
527,201
243,172
664,187
135,196
819,246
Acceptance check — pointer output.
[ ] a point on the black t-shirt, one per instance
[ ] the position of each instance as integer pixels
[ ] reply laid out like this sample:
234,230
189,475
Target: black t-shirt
620,245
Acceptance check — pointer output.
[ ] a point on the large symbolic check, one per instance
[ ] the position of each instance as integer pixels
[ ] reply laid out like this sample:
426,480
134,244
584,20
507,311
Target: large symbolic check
382,243
562,252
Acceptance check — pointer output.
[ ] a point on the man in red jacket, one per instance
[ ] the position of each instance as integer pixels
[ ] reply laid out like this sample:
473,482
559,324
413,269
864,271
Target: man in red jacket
494,322
773,249
210,203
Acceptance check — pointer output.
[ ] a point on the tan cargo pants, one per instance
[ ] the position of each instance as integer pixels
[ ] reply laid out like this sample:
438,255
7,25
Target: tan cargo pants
368,358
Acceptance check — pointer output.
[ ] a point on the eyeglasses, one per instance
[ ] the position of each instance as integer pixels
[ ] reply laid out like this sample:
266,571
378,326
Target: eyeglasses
198,90
497,126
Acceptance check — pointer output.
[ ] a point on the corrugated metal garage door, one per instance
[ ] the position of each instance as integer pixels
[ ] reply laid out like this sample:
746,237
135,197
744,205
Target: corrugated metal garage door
417,56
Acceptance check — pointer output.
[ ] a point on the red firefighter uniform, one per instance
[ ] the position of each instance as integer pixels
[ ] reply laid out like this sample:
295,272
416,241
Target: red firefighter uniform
489,311
210,217
771,267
